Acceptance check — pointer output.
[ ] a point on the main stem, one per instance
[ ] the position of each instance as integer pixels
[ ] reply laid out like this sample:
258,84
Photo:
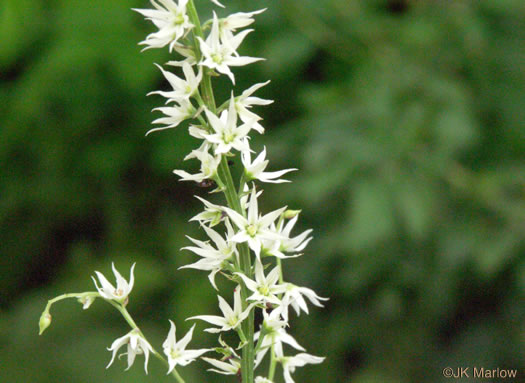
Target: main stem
232,198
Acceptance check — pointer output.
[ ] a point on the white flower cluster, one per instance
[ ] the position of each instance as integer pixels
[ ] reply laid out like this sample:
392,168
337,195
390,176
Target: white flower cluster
244,245
224,133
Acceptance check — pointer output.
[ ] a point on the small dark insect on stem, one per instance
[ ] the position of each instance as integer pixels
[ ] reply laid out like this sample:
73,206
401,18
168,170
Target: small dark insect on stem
206,183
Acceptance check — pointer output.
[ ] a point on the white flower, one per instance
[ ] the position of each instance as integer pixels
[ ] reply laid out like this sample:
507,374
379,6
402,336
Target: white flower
187,52
231,319
260,379
287,244
272,322
265,288
176,351
174,115
170,18
294,296
231,368
213,259
183,89
255,170
235,21
254,228
220,55
227,134
136,345
121,292
289,364
245,101
209,166
275,335
212,214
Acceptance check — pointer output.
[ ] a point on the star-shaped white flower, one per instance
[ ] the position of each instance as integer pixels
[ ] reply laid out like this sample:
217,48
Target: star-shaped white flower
245,101
183,89
231,23
231,318
220,55
265,288
212,214
121,292
209,166
171,20
213,259
294,296
176,351
136,345
187,52
255,228
255,170
289,364
226,134
274,335
181,111
286,246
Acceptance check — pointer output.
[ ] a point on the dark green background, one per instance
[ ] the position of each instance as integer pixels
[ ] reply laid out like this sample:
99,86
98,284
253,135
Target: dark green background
406,119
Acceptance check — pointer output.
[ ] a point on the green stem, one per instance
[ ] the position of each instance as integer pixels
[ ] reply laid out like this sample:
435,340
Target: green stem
93,294
242,182
273,363
281,280
207,90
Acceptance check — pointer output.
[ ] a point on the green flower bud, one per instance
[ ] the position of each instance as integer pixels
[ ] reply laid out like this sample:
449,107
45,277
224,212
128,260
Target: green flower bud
45,321
289,214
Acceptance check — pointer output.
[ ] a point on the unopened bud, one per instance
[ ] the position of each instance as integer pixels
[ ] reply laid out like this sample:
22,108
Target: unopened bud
289,214
86,301
45,321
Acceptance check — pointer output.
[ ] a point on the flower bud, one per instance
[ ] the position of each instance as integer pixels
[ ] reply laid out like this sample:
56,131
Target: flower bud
86,301
289,214
45,321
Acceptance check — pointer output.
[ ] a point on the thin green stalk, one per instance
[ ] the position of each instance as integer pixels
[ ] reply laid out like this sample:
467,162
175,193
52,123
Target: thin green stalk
207,91
281,280
242,182
273,364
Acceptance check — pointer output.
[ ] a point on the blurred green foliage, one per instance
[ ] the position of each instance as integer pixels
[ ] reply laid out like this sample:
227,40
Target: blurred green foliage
405,117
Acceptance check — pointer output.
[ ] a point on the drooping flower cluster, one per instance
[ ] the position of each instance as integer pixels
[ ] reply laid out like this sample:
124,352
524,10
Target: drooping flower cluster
244,245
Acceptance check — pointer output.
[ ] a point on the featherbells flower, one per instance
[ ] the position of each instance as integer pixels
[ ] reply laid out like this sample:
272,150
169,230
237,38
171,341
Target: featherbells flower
213,259
255,228
121,292
220,55
136,345
265,288
231,318
226,134
291,362
171,20
183,89
176,351
255,170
